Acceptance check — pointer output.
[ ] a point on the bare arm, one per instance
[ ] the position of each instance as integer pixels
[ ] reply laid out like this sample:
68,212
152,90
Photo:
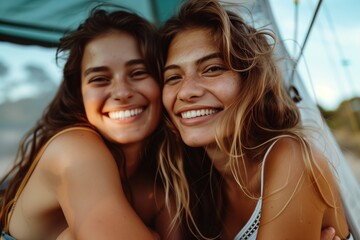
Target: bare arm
66,235
326,234
86,182
293,206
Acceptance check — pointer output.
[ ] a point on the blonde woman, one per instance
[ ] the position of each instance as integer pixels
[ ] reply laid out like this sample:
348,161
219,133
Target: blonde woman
247,156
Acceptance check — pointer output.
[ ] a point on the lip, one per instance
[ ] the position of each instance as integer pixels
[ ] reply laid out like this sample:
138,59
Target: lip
125,114
198,113
193,116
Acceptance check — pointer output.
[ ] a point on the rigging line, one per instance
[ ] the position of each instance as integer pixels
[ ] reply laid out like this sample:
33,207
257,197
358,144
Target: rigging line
296,29
344,62
311,82
331,56
349,108
304,43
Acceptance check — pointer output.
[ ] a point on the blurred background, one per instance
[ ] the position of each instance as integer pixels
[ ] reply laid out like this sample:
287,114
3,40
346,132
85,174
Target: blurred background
326,34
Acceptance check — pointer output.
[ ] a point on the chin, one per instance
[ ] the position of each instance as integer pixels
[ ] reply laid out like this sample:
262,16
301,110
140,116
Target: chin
195,142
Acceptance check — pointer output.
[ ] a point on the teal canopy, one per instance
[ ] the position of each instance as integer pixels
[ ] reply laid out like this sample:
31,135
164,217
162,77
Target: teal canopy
43,22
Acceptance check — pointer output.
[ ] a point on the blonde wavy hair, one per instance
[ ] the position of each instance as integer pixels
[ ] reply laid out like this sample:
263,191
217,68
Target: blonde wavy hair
263,112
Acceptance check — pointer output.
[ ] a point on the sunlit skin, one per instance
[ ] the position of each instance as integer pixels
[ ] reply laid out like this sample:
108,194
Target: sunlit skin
121,99
198,86
94,177
198,89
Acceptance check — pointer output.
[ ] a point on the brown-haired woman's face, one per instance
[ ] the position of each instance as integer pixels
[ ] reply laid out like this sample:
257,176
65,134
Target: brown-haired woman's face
121,99
198,86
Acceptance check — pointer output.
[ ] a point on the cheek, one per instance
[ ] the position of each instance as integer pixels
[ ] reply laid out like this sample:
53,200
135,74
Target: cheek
167,98
151,91
230,91
88,98
91,101
231,95
153,94
155,98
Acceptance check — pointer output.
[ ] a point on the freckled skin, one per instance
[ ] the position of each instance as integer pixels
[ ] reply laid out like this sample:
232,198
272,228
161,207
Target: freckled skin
122,89
199,85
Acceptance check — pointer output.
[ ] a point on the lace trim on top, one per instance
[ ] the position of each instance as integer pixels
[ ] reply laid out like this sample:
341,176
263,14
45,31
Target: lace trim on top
6,236
250,230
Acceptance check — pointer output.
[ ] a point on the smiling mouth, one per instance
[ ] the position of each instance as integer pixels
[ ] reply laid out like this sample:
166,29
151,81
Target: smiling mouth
119,115
198,113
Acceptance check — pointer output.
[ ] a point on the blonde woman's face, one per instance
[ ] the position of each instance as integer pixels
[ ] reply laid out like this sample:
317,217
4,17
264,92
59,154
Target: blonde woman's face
121,99
198,86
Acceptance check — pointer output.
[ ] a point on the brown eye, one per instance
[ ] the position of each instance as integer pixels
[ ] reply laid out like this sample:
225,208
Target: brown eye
172,79
139,74
214,70
99,79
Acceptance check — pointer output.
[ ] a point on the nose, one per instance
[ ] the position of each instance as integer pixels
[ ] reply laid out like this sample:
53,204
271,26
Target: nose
190,89
122,90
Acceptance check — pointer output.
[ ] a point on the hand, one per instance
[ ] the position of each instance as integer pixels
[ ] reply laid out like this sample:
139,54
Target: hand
328,234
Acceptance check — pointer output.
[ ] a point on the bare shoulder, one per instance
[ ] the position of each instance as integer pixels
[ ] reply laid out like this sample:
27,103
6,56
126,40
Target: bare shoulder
283,165
84,178
298,154
74,143
75,151
294,164
291,159
299,192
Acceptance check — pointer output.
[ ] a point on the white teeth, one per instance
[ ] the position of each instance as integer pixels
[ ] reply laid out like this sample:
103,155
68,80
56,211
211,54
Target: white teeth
198,113
125,114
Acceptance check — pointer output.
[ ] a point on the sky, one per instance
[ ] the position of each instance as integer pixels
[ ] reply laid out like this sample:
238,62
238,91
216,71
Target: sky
330,66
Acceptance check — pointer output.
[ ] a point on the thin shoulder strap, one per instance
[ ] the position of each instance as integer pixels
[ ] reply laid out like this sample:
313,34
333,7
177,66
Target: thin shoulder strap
263,165
31,170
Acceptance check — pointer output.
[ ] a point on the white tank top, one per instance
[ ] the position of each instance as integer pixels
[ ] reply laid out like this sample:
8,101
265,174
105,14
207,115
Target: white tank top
250,230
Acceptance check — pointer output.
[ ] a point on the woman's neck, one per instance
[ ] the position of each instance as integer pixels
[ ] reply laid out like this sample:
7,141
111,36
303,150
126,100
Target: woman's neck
247,172
132,154
220,160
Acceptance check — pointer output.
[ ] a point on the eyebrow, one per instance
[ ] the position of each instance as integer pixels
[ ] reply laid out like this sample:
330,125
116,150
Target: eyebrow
198,62
104,68
95,69
207,57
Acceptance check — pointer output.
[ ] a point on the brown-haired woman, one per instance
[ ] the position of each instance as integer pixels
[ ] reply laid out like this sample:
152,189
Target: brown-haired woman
87,170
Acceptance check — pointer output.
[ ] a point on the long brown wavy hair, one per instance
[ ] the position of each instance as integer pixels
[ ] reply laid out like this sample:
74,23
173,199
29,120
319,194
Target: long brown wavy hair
262,112
67,109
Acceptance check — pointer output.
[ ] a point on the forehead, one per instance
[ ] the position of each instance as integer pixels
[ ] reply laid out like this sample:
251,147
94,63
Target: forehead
191,44
113,45
112,40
